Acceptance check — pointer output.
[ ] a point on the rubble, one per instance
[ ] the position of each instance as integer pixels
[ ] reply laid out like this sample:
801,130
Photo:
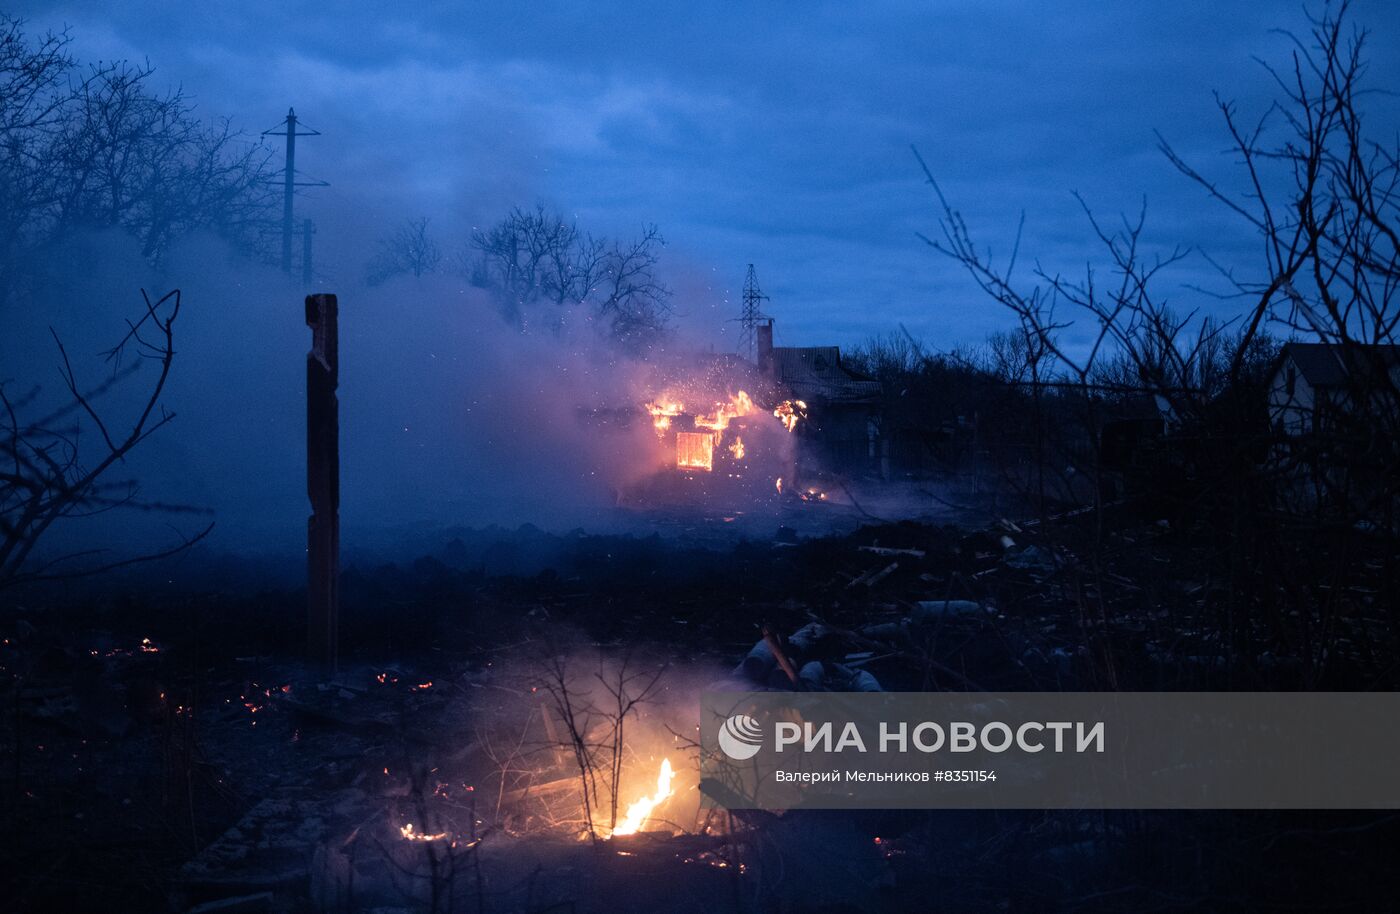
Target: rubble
284,791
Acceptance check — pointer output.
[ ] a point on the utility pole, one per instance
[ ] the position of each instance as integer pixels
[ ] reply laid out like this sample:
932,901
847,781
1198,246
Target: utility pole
751,316
291,130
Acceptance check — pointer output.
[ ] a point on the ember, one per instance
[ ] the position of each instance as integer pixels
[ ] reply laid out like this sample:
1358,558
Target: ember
408,832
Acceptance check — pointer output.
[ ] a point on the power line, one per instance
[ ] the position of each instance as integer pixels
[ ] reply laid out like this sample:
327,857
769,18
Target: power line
751,316
289,179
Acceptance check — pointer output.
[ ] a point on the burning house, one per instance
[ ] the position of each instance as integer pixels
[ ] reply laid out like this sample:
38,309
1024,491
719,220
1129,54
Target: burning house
725,440
729,427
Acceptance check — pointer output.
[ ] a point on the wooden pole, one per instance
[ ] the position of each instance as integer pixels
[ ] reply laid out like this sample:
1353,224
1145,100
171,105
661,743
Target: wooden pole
323,482
289,180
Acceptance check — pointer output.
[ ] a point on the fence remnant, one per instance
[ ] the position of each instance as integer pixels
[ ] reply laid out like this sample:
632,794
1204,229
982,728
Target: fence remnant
323,481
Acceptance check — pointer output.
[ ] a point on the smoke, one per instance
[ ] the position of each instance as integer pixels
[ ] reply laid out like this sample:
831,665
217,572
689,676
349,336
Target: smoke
449,416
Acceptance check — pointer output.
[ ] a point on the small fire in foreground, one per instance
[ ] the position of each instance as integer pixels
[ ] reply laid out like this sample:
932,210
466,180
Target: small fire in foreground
408,832
639,812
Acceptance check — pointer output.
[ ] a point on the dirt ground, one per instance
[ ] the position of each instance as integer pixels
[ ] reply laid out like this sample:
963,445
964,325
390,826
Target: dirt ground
170,751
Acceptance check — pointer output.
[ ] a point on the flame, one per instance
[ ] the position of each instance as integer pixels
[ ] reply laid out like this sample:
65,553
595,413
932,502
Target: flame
789,412
408,832
780,485
640,811
695,450
662,410
739,404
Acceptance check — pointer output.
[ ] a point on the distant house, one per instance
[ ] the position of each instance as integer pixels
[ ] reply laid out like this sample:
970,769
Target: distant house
843,405
1312,384
1131,427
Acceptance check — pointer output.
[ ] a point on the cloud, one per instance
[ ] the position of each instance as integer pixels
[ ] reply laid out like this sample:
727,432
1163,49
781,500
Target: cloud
771,134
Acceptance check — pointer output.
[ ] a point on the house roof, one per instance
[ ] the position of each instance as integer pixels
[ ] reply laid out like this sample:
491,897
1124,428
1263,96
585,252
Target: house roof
816,371
1326,365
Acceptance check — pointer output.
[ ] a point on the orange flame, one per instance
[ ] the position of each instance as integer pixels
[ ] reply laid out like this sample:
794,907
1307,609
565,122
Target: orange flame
408,832
789,412
695,450
662,410
639,812
739,404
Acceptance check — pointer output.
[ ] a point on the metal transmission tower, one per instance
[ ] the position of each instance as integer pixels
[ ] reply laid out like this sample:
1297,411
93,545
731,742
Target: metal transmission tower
289,129
751,316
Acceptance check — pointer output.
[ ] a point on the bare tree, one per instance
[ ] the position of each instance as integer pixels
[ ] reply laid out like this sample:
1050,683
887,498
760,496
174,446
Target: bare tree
594,713
30,76
627,292
48,476
1321,194
105,148
408,250
538,265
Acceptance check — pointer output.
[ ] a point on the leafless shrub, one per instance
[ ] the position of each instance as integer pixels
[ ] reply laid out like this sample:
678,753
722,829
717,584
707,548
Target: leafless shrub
594,711
47,475
1321,194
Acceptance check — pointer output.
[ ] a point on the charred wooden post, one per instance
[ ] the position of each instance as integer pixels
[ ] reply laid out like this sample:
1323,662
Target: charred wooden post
323,481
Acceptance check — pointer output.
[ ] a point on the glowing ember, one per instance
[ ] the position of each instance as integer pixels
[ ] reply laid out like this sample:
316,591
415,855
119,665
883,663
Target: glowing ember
695,450
640,811
408,832
780,485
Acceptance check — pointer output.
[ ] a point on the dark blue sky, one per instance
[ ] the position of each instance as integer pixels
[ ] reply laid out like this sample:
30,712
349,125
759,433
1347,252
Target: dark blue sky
776,133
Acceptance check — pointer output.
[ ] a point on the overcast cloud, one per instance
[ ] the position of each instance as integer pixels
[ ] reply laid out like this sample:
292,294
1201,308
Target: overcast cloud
776,133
